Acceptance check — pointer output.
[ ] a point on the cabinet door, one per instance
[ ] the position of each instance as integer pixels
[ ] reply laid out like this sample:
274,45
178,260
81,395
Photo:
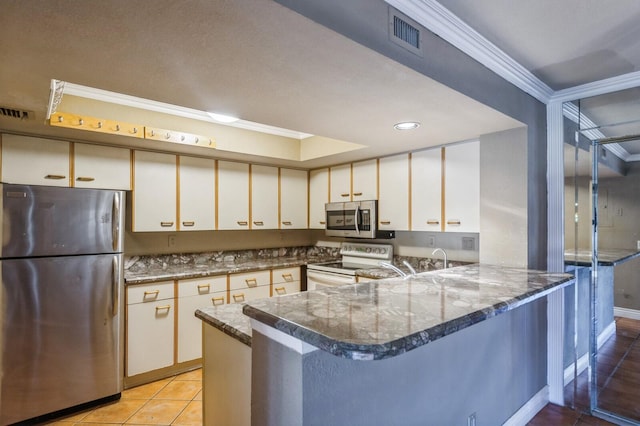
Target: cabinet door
233,195
102,167
365,180
426,190
197,194
340,178
264,197
293,199
154,192
393,206
318,197
462,187
149,327
35,161
192,295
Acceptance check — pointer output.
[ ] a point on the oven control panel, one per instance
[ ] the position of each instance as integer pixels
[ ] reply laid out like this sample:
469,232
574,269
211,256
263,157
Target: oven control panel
370,251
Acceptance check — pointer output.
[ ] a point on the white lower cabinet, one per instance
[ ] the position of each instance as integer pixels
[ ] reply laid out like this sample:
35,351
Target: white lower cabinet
150,327
194,294
249,286
286,281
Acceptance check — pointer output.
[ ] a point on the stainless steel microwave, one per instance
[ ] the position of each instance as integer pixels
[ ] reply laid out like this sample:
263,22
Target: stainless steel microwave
357,219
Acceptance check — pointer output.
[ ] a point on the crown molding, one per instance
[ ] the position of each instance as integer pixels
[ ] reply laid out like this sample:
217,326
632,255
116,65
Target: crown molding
176,110
439,20
600,87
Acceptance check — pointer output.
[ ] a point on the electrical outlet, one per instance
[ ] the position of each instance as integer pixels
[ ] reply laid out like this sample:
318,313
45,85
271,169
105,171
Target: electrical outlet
471,420
618,211
468,243
171,241
638,244
431,241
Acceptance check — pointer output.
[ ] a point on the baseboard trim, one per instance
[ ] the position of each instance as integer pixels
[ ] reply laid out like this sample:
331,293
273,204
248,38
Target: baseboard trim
626,313
583,361
529,409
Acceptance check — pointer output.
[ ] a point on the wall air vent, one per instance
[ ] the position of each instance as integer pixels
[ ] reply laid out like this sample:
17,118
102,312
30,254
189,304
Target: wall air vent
405,32
16,113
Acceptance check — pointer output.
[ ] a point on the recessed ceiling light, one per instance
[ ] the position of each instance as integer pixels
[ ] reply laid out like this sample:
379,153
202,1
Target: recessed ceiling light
406,125
223,118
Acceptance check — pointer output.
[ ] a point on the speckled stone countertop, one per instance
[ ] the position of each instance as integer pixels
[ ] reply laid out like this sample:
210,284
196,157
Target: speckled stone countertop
385,318
229,319
606,257
146,269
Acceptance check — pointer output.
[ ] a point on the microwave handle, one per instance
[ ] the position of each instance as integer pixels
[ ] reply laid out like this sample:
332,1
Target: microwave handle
355,219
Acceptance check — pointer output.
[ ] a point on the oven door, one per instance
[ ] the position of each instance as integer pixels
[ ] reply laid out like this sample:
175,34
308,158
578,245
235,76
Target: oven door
318,279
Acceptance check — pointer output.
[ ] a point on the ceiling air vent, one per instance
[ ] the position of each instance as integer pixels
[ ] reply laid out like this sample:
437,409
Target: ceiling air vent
405,32
16,113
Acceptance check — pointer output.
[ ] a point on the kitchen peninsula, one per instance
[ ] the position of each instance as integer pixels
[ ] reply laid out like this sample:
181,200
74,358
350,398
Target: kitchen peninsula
437,347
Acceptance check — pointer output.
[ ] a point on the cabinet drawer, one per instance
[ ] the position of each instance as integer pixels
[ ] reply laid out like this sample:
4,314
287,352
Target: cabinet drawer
153,292
286,275
249,280
246,294
281,289
198,286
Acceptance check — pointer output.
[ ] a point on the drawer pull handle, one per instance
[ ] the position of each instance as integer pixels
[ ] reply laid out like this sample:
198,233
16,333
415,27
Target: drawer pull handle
242,222
344,195
203,287
287,223
357,194
166,224
287,277
150,293
217,301
281,290
322,222
163,308
251,282
190,223
85,179
55,177
258,222
433,222
385,222
238,297
453,222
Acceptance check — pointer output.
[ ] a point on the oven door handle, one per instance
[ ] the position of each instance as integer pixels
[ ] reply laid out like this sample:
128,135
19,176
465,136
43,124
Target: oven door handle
355,219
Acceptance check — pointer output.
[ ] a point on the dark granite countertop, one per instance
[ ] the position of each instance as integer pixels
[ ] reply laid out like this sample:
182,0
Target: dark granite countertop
229,319
385,318
606,257
162,272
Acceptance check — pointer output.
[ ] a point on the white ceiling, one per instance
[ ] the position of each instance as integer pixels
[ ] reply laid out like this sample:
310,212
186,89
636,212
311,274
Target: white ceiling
262,62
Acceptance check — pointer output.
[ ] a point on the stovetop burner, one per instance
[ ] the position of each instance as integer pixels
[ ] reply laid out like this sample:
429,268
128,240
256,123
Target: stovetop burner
356,256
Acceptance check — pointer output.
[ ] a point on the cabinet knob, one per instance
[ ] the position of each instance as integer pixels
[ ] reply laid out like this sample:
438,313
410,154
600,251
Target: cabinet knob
189,223
166,224
242,222
357,194
151,294
453,222
287,223
344,195
85,179
217,301
322,222
163,309
204,287
433,222
281,290
238,297
258,222
385,222
251,282
287,277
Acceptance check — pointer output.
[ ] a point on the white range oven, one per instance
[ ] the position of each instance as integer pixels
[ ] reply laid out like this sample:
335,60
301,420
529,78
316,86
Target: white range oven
354,256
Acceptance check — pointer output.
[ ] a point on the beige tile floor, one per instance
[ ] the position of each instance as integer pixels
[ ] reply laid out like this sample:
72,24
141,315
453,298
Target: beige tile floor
172,401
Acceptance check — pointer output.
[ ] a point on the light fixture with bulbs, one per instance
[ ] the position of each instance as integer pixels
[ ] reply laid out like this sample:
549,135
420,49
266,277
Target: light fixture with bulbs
406,125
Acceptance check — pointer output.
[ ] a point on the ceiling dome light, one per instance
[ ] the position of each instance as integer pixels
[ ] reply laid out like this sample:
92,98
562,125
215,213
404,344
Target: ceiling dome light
222,118
406,125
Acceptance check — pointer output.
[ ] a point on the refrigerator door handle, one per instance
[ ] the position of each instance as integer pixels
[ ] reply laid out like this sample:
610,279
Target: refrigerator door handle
115,221
115,285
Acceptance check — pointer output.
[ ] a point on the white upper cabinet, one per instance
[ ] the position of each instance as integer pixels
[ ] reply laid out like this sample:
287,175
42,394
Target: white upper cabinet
426,190
264,197
155,192
393,205
318,197
102,167
197,194
233,195
462,187
365,180
340,183
293,199
35,161
354,182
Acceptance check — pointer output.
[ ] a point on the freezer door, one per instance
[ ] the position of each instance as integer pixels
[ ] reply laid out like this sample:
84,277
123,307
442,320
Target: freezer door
61,333
50,221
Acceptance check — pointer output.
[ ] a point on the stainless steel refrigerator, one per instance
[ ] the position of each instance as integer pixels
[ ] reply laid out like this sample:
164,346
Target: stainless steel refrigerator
61,316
